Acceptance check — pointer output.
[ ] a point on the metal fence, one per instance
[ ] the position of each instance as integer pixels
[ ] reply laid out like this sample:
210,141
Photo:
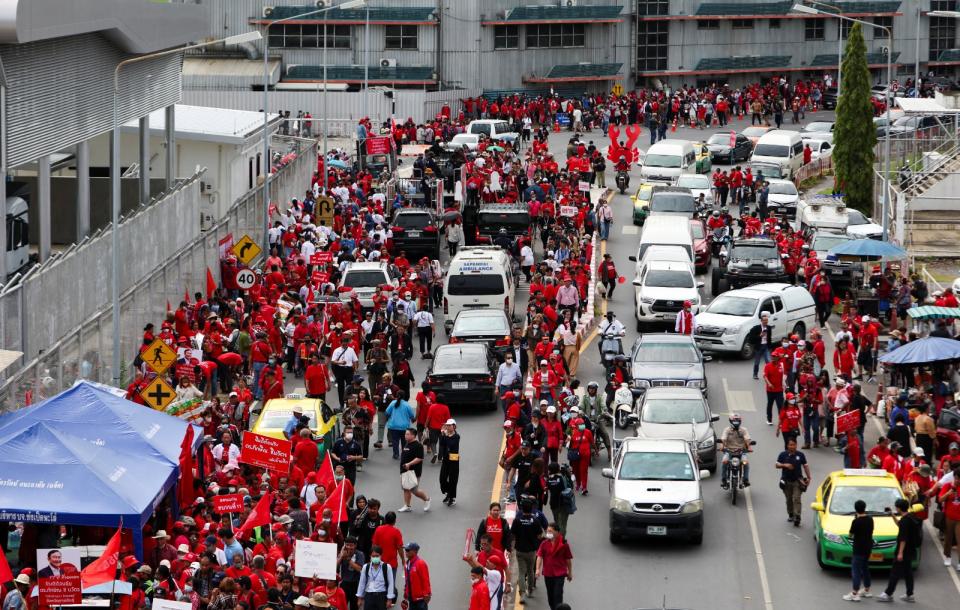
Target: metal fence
86,351
817,168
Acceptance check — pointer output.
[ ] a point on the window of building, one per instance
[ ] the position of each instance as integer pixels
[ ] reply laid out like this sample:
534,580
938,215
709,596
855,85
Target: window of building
506,37
402,37
885,22
309,36
813,29
555,35
708,24
943,30
743,24
653,7
774,24
652,45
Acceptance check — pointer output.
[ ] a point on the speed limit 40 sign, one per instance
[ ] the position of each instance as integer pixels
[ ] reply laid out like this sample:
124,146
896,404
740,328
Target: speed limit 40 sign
246,279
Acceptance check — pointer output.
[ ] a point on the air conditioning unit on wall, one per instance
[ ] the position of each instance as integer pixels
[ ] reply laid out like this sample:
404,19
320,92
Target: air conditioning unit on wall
569,2
267,11
387,62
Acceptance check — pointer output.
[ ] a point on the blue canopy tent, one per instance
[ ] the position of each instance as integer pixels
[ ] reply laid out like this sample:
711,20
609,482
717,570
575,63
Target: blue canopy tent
141,447
924,351
51,476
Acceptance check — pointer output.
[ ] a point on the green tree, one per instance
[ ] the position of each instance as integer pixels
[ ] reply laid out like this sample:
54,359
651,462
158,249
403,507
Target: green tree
854,134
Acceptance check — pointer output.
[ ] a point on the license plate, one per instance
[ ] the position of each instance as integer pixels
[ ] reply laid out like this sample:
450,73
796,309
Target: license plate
656,530
413,233
460,385
836,271
876,557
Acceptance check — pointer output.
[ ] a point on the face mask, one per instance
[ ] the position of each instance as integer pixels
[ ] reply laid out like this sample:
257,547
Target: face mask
548,535
474,581
321,533
735,424
375,561
582,427
348,437
338,477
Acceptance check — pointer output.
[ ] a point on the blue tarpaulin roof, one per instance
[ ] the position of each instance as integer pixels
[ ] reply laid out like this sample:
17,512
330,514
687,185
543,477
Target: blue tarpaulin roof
923,351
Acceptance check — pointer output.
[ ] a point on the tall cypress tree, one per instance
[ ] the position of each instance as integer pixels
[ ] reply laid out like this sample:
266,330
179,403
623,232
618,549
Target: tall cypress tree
855,134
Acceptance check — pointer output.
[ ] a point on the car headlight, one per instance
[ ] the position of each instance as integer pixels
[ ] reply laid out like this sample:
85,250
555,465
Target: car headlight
620,505
641,383
731,331
648,300
696,383
692,507
706,443
834,538
773,264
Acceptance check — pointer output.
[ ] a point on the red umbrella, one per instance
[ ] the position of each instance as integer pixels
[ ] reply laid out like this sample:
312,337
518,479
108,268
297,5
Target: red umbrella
230,359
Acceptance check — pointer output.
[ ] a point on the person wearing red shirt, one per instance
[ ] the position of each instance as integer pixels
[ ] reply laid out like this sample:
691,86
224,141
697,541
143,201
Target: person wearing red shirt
317,377
580,445
416,586
437,415
893,463
306,453
545,383
869,339
554,563
390,540
494,528
773,382
843,360
789,423
479,592
879,453
555,435
950,500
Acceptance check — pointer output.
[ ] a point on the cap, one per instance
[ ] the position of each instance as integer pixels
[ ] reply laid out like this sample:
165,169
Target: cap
551,409
129,561
165,562
145,569
411,546
195,565
450,422
865,319
210,540
183,548
543,362
918,451
954,445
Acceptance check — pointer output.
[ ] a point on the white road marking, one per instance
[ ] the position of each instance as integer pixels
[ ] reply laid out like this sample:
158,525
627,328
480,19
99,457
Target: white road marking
631,230
738,400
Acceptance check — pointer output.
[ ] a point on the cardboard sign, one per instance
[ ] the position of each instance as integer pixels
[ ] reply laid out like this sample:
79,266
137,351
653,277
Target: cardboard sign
847,421
320,278
315,560
321,258
568,210
61,590
230,503
166,604
265,451
225,245
583,186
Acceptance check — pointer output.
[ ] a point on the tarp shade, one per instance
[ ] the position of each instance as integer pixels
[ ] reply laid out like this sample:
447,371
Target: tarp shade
923,351
932,312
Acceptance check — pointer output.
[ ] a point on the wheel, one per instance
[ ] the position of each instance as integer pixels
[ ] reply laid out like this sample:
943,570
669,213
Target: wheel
820,563
615,538
734,485
799,329
747,350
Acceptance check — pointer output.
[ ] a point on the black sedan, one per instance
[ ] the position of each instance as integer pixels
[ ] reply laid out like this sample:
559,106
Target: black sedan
463,374
721,150
416,231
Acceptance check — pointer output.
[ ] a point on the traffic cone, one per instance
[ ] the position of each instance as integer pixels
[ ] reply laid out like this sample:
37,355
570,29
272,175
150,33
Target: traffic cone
674,126
556,124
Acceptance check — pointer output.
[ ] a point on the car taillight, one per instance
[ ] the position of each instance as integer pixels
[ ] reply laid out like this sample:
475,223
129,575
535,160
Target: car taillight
430,229
483,240
454,340
397,229
506,305
503,342
446,306
487,379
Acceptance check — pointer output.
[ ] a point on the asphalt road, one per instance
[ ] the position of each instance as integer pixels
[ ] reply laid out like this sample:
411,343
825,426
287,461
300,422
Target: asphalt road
751,558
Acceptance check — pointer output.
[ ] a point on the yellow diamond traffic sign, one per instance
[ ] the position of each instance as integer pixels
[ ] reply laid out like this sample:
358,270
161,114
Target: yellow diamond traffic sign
158,394
323,210
159,356
617,89
246,250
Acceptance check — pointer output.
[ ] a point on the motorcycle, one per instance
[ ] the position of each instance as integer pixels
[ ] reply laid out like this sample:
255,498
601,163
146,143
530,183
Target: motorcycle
611,346
623,180
721,237
735,470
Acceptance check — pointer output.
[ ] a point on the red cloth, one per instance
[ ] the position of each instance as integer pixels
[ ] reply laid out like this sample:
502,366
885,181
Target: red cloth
306,454
325,477
260,515
479,595
437,415
390,540
103,569
337,503
185,492
554,555
6,575
417,581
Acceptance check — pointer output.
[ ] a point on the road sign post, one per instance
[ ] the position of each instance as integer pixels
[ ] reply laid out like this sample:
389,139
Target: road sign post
159,356
158,394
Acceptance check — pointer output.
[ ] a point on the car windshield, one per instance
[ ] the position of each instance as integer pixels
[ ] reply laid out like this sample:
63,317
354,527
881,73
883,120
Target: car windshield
492,324
662,160
644,193
733,306
857,218
771,150
663,202
656,466
877,498
754,131
757,253
364,279
665,352
823,243
694,181
697,229
819,126
906,120
491,222
278,418
459,359
673,411
474,284
720,138
665,278
412,221
768,171
783,188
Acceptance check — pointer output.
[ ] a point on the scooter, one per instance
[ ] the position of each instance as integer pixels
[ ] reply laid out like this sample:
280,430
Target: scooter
721,237
735,471
611,346
623,180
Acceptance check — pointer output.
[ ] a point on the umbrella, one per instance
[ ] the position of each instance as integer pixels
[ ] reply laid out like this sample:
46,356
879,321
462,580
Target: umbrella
867,249
451,216
932,312
495,148
338,163
922,351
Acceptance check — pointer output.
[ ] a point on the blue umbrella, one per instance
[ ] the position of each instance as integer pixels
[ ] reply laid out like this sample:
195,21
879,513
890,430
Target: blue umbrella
867,249
338,163
922,351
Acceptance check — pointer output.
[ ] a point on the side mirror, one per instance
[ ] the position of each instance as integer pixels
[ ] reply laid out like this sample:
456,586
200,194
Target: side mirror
714,418
701,284
704,474
636,283
817,506
607,473
707,358
632,258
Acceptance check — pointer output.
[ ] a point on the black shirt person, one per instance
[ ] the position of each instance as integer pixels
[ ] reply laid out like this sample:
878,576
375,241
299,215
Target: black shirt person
861,536
908,541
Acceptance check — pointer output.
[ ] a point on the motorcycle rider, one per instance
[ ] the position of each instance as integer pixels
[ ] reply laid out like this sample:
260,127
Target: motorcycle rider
591,405
503,240
610,328
734,437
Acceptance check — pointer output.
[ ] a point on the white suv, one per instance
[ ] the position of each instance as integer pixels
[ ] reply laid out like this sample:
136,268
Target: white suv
655,490
661,288
363,279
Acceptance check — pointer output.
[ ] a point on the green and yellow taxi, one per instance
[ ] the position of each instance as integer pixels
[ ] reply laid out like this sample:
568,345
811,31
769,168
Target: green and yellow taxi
277,412
641,202
833,514
704,159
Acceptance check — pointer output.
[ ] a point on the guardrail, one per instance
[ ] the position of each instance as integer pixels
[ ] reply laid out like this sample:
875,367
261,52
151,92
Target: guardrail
814,169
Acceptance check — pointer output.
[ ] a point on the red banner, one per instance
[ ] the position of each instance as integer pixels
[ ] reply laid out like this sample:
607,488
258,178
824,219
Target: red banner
265,452
378,146
321,258
320,278
847,421
230,503
61,590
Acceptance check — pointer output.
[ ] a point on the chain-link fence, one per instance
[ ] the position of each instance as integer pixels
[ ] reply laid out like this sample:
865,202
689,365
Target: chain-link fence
86,352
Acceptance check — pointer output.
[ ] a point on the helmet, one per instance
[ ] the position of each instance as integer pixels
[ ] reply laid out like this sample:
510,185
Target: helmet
593,384
502,231
735,420
716,213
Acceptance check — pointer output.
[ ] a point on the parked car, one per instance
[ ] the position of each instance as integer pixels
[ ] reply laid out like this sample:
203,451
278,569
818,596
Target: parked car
680,413
362,278
641,202
488,326
655,490
754,132
818,127
668,360
840,273
948,430
862,226
701,244
463,374
470,140
722,152
494,129
704,159
829,98
416,231
748,261
819,146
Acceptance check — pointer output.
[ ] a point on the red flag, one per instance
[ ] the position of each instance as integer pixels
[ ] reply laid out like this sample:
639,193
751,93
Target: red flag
337,503
211,283
6,575
260,515
168,306
325,477
185,493
104,569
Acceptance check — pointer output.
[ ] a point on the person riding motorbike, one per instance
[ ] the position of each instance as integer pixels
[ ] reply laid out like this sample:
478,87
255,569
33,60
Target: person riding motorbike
622,404
734,437
592,407
503,240
610,345
611,326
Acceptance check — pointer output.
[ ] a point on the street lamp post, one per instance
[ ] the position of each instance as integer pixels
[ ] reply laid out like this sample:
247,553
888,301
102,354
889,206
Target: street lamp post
802,8
115,180
266,102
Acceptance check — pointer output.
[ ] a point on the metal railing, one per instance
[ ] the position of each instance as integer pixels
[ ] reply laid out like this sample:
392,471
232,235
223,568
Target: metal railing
948,152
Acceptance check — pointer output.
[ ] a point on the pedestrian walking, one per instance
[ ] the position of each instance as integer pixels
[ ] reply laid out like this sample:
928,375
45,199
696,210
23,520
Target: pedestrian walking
555,564
908,541
426,329
399,415
416,586
794,478
487,588
762,338
454,233
411,469
950,500
562,499
448,448
605,215
861,538
376,588
350,564
790,420
526,533
608,275
773,380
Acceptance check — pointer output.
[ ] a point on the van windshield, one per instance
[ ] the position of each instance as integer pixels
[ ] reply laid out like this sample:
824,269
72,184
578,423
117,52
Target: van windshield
771,150
662,160
473,284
